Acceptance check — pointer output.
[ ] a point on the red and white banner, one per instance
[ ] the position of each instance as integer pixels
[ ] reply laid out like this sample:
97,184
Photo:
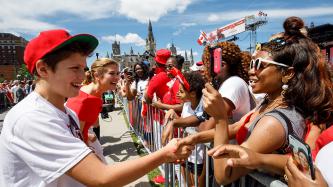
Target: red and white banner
226,31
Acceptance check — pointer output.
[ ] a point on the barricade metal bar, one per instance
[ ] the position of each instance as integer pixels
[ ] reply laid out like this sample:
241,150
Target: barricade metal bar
207,166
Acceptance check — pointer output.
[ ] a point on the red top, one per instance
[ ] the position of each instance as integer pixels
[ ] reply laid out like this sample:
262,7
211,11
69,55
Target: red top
158,85
324,138
87,107
242,131
170,97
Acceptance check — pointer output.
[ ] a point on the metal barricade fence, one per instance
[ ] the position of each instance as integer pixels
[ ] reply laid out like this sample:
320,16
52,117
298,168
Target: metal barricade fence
148,128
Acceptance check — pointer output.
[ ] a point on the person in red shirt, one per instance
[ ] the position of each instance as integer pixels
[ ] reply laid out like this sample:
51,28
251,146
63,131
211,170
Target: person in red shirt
169,100
158,83
88,104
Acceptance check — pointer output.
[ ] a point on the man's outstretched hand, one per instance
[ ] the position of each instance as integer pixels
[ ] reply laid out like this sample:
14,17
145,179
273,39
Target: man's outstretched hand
176,151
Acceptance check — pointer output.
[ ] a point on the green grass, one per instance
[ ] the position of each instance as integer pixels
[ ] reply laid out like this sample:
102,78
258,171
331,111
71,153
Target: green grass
142,152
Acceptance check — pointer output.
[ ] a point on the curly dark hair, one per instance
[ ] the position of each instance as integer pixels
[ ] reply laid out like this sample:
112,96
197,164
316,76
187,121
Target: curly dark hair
196,81
231,54
310,89
245,61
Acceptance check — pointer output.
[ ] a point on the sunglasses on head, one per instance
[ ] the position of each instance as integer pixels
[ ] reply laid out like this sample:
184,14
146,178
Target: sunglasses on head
259,63
276,44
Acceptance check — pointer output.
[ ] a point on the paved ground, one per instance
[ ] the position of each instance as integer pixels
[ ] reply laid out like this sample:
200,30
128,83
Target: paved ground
118,144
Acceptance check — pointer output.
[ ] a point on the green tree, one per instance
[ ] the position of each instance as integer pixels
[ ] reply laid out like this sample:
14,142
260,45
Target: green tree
23,72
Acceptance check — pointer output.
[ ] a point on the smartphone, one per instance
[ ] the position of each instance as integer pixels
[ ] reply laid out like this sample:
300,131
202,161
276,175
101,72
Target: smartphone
302,155
217,60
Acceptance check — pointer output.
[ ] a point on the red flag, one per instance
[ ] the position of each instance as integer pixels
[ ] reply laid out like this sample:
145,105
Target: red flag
202,38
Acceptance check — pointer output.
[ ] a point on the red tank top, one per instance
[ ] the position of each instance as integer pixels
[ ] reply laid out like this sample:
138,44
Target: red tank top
242,131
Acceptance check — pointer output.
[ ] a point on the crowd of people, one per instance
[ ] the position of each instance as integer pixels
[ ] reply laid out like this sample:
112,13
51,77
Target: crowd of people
14,91
248,108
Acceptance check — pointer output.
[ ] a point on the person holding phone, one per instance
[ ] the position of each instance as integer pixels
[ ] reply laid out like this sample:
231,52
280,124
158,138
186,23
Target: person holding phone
233,87
138,82
284,68
41,143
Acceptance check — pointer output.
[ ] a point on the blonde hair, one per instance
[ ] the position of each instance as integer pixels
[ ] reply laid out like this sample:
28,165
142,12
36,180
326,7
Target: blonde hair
98,67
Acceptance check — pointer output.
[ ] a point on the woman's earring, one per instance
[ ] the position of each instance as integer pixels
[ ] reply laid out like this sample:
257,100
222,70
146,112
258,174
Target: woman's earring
284,87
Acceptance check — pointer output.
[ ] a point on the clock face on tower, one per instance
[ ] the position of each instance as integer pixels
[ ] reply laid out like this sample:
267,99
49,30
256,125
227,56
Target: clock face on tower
116,48
116,51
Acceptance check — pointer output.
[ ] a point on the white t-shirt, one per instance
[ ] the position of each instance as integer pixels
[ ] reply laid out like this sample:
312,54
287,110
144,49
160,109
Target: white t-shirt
37,146
186,112
324,162
236,90
140,86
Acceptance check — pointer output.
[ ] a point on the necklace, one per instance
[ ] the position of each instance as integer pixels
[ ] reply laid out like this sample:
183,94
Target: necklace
272,104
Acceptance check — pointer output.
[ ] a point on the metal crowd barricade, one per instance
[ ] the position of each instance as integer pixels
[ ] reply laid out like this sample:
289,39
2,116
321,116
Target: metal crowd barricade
149,127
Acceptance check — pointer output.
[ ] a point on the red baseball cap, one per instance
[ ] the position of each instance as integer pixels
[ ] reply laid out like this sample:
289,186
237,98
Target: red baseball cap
51,40
162,56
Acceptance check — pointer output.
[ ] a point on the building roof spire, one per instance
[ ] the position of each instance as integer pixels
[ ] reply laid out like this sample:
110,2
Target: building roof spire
150,32
132,52
150,41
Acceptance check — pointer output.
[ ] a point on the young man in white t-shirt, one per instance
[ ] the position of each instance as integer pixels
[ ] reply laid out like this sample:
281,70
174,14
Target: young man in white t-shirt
41,143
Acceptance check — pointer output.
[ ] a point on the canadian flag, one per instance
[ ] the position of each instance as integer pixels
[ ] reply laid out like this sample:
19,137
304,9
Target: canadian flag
202,38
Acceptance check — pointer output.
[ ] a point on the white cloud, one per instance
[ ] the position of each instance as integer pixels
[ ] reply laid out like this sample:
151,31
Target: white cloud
29,16
130,38
142,10
271,13
183,27
32,16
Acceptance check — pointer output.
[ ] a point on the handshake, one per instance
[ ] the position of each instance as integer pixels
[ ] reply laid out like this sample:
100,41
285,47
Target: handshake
177,150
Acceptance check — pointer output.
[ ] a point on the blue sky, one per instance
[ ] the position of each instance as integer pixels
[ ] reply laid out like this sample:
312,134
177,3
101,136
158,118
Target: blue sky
178,21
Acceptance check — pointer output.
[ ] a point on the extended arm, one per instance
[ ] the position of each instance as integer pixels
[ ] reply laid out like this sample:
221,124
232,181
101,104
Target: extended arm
125,172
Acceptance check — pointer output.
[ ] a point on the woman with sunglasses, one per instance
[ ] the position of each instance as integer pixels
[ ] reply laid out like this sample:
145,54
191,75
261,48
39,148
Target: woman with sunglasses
290,71
170,100
41,143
